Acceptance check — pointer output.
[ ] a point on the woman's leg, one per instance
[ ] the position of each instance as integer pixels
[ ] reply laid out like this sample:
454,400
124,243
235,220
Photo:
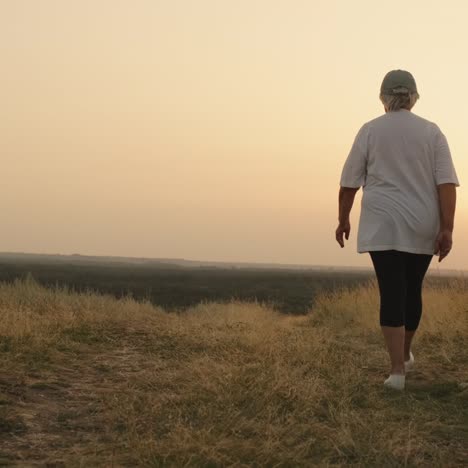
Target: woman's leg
408,340
416,268
390,270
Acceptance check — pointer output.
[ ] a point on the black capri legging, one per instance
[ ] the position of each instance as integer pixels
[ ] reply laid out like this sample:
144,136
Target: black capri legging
400,276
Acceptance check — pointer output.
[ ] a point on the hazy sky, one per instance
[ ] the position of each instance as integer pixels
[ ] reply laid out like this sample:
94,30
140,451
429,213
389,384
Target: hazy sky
209,129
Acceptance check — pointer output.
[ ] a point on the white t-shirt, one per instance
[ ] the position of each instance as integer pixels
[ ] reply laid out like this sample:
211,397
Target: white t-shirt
399,158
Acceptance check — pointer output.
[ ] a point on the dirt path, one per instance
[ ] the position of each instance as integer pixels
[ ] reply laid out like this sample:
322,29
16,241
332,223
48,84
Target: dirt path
52,417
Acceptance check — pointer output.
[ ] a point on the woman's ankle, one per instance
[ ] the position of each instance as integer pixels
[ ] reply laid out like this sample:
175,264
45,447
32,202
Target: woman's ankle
400,370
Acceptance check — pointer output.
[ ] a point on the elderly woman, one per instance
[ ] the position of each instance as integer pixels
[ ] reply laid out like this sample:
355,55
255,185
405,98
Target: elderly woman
404,165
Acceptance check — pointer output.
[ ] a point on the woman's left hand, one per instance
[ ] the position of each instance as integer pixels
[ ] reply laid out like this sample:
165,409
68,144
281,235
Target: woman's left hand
342,229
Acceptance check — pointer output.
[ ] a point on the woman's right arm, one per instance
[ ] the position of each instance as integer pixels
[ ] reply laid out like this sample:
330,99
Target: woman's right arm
446,180
447,203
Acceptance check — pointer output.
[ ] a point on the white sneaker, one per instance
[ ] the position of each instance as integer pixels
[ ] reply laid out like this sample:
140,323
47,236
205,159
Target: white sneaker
396,381
410,363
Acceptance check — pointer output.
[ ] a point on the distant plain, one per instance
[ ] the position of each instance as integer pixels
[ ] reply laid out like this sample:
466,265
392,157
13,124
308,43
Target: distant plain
177,284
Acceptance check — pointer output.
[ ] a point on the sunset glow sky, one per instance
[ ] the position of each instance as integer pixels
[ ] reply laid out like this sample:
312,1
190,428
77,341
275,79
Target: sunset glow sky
210,129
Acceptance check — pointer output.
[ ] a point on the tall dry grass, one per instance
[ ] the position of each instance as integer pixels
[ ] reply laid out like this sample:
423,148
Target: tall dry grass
235,384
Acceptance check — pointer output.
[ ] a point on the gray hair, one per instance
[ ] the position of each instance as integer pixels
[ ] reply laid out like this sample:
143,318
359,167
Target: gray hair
394,102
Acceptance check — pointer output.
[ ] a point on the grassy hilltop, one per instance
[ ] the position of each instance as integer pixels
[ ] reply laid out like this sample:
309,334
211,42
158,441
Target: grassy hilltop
89,380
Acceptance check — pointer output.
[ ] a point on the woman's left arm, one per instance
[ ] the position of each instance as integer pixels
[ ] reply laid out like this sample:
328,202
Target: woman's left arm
345,203
353,176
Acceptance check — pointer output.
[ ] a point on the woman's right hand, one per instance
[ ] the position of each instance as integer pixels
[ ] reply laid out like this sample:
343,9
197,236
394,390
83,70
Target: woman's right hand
443,244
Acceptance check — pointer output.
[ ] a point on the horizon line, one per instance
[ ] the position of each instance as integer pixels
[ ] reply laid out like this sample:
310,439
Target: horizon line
221,262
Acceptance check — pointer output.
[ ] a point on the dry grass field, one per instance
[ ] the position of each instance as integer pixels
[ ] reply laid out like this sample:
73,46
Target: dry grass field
88,380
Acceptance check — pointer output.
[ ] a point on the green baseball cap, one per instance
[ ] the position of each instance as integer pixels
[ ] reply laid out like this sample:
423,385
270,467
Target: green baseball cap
398,82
